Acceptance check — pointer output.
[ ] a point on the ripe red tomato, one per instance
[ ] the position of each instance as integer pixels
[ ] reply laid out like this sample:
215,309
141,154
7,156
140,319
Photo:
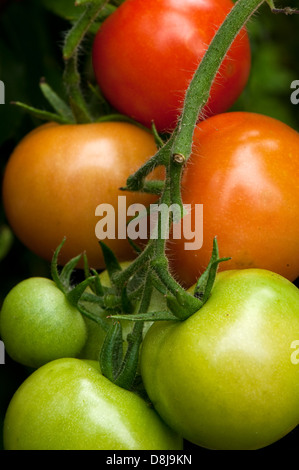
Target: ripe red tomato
145,54
59,174
244,170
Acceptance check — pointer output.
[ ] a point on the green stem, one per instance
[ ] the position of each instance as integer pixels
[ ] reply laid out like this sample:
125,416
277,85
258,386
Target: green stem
198,92
72,81
127,373
172,155
135,182
176,151
76,34
122,277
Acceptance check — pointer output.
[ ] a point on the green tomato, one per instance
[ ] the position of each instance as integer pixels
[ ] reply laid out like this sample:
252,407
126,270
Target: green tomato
38,324
224,378
67,404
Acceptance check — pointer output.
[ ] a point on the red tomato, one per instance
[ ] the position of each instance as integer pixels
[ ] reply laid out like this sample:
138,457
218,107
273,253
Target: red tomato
244,170
59,174
146,52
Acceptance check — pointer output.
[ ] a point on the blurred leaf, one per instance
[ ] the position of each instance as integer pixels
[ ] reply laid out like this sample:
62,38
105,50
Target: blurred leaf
6,240
68,10
64,8
274,44
24,58
9,117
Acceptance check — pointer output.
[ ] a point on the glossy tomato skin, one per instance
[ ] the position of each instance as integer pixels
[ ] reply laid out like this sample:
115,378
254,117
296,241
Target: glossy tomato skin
244,170
38,324
145,54
68,405
224,378
59,174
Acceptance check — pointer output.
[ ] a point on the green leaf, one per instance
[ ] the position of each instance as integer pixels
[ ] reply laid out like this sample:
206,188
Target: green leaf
126,305
127,372
164,315
112,352
98,317
62,279
58,104
205,283
72,10
111,261
6,240
75,294
41,114
67,270
179,311
97,285
66,9
54,267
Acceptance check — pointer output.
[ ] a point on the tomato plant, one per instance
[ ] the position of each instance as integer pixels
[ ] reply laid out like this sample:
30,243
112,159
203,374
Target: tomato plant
224,378
145,54
38,324
68,405
218,368
244,171
59,174
95,332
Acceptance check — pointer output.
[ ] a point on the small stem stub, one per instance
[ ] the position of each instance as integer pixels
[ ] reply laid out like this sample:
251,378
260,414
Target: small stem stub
179,158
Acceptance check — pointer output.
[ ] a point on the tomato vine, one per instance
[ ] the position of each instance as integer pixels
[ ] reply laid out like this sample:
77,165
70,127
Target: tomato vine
149,270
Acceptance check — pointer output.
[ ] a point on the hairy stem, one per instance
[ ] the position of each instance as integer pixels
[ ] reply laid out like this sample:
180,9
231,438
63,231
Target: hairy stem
199,89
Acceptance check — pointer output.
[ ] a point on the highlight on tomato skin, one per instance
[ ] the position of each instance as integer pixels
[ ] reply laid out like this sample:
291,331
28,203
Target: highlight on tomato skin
244,171
145,54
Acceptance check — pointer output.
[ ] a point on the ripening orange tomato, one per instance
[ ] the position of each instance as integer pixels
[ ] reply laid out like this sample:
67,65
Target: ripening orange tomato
59,174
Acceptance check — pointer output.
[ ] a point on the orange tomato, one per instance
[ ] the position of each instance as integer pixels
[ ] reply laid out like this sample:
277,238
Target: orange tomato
244,170
59,174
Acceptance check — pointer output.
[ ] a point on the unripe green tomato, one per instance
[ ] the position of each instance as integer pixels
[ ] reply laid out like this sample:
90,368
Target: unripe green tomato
69,405
227,378
38,324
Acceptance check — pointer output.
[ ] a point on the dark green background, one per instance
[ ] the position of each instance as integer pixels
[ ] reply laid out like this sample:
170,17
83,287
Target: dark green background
31,35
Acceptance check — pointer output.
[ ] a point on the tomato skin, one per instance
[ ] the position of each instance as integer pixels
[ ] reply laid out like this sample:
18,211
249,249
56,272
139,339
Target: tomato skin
244,170
145,54
68,405
224,377
38,324
59,174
